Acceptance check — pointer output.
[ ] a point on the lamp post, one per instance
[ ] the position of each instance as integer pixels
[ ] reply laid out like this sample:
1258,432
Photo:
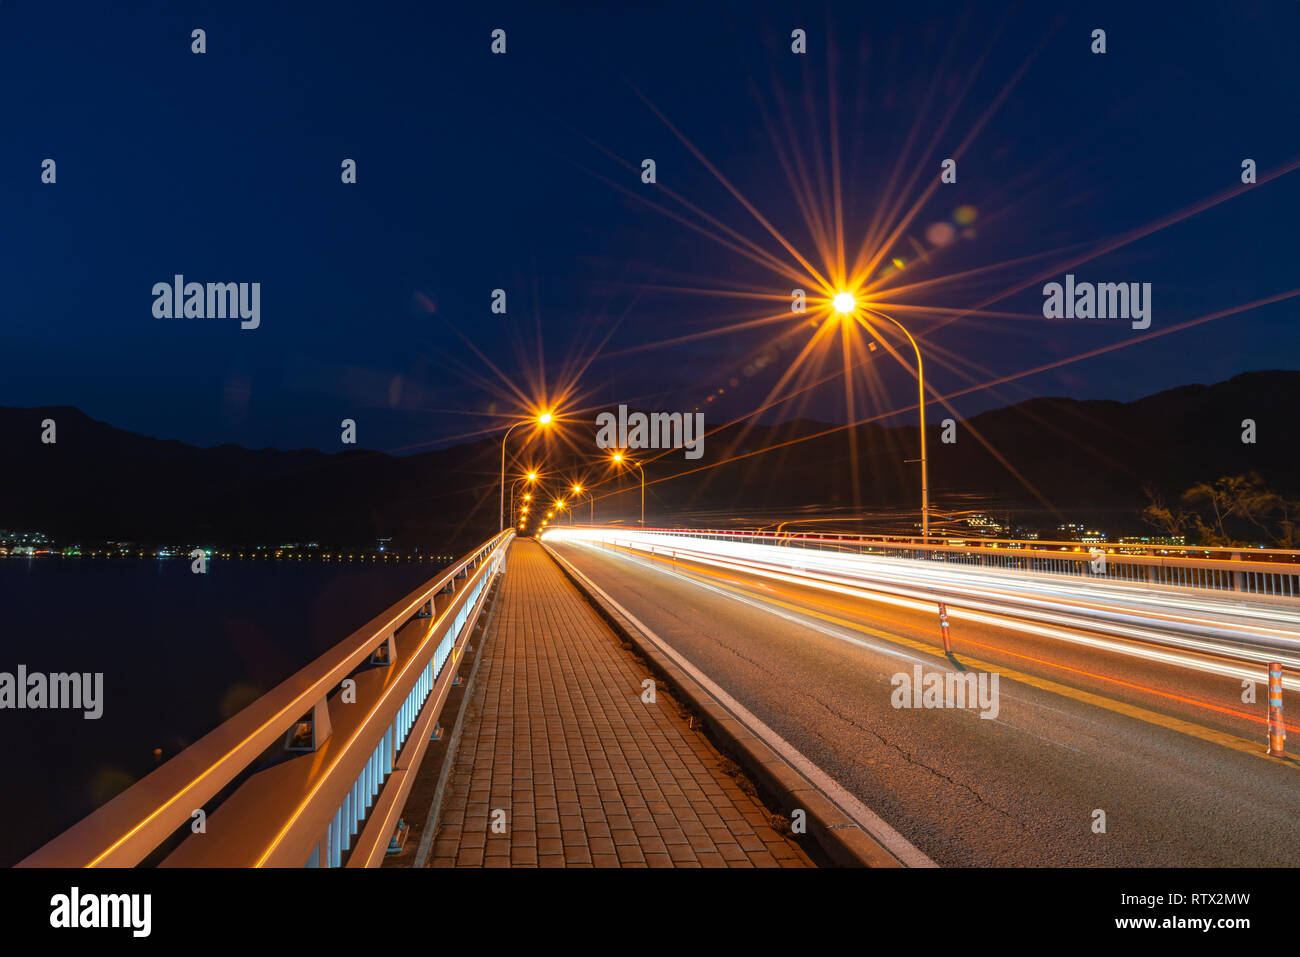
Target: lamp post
530,477
619,458
591,499
544,419
920,395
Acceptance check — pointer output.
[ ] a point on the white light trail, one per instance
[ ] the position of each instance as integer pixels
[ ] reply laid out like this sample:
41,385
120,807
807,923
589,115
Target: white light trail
1097,614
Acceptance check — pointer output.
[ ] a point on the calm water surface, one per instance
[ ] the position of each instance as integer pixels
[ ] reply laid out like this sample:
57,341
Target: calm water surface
179,652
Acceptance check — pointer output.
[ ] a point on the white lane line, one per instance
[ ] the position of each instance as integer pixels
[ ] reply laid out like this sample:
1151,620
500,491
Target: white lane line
844,635
902,849
832,632
963,608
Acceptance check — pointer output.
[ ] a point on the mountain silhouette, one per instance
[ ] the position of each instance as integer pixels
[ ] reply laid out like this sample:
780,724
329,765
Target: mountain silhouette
1051,455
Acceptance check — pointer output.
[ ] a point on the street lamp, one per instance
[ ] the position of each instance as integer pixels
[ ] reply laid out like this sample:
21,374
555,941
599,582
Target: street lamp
920,394
591,499
530,477
545,419
618,459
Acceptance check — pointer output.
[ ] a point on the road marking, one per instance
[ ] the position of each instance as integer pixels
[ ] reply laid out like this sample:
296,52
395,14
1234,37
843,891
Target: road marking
897,845
1200,732
1120,639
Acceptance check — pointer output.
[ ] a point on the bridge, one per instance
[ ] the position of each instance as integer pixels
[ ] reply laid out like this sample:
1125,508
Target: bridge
637,696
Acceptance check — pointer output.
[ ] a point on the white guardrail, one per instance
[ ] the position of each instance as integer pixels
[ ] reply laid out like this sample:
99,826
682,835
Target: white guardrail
315,772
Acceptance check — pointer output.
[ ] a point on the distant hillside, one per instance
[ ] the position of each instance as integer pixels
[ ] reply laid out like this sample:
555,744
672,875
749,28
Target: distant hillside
1077,455
97,481
100,482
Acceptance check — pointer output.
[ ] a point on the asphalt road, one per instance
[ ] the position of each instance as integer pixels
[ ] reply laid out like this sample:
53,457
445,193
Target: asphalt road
1172,756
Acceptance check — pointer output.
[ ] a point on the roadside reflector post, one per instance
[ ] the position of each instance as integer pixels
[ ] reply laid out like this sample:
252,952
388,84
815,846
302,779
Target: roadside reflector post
1276,729
943,627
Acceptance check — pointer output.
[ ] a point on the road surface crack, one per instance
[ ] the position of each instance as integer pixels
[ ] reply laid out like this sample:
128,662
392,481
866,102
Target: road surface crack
908,756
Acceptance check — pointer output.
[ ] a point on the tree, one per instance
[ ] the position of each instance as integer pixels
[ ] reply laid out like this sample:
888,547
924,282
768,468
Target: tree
1233,510
1242,497
1158,514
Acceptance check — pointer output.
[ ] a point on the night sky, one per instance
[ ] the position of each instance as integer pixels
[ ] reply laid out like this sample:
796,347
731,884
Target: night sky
479,171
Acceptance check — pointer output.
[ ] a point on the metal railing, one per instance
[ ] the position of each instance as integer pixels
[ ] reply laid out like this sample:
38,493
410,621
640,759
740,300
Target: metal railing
316,771
1257,571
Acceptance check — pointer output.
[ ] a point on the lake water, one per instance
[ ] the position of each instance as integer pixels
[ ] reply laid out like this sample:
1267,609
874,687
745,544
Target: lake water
179,652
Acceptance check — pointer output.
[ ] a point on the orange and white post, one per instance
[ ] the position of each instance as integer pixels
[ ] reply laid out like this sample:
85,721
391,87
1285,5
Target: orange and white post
943,628
1276,729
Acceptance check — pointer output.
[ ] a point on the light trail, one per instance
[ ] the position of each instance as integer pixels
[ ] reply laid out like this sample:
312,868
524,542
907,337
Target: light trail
1226,637
892,641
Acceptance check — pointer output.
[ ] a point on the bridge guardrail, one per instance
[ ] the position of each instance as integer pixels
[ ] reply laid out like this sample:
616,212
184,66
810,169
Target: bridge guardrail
1274,573
356,762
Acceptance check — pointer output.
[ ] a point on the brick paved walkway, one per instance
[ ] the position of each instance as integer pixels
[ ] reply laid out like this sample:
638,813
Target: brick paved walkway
557,736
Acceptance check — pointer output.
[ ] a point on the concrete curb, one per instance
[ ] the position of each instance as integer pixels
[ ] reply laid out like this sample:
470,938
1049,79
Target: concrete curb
838,835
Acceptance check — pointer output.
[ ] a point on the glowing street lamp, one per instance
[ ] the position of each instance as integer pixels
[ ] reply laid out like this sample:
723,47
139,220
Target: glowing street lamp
920,404
845,303
560,506
545,419
619,458
530,477
591,499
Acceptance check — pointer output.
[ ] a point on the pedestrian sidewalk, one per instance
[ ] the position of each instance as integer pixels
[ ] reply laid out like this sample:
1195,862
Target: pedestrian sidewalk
557,737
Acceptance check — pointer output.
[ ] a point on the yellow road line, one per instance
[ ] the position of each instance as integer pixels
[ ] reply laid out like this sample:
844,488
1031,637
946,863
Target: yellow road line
1087,697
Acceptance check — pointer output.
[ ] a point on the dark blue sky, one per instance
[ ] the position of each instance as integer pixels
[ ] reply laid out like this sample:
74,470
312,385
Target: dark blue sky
478,171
